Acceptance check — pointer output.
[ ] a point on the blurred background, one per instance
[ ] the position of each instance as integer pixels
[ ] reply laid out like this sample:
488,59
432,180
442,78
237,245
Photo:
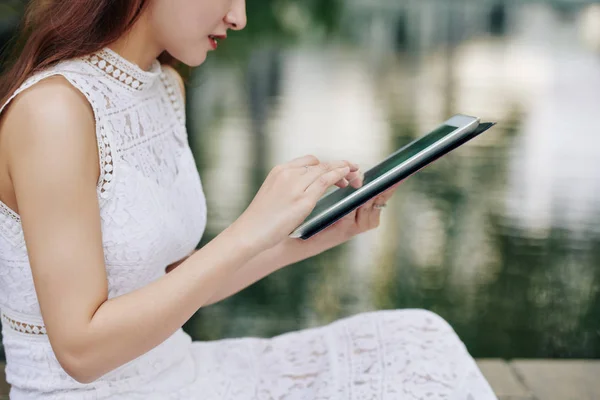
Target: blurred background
501,237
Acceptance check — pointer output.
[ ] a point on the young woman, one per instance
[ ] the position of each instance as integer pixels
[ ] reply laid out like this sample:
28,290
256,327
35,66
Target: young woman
99,194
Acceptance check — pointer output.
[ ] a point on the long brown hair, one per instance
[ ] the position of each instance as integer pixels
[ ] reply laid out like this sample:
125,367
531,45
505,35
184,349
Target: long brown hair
56,30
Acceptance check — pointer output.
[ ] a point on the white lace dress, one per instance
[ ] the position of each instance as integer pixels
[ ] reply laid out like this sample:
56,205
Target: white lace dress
154,213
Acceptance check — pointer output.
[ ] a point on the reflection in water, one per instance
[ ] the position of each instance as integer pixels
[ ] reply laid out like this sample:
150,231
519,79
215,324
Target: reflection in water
500,237
555,177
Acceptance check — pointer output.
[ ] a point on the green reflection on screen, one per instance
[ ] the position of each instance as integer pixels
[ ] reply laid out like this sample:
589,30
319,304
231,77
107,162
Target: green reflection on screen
390,163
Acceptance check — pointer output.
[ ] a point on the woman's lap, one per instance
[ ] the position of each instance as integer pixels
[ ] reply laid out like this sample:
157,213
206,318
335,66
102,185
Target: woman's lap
388,354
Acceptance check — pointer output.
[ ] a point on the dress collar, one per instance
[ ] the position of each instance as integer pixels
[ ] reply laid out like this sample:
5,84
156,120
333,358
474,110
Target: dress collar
124,71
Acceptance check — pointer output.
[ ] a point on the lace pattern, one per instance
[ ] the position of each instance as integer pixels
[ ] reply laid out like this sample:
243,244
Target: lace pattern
125,73
106,163
6,213
174,96
23,327
10,225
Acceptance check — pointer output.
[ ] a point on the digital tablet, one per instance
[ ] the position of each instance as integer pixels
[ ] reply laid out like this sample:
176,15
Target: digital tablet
401,164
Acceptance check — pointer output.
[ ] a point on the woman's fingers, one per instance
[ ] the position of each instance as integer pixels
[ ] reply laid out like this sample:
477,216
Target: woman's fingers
385,195
362,215
356,179
342,183
314,172
302,161
353,166
368,216
375,214
324,180
362,218
310,160
313,168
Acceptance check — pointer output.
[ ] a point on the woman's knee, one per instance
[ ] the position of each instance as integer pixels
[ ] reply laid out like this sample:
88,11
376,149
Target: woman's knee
431,318
427,322
410,318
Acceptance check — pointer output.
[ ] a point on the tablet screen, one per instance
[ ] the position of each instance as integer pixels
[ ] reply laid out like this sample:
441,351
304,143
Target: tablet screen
388,164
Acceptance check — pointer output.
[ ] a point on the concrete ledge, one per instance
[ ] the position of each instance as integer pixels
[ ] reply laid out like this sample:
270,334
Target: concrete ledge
4,387
560,379
521,379
503,380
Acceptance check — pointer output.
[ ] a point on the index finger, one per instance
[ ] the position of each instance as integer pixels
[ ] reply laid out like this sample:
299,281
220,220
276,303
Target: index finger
320,185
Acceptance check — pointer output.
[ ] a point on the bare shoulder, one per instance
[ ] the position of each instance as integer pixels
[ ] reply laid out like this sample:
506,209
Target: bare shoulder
46,130
178,76
51,115
50,94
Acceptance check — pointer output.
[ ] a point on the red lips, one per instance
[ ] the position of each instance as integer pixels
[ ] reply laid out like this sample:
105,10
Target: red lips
213,39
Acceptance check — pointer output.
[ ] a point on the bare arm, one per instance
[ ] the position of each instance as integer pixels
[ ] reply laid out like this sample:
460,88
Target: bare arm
265,263
53,164
285,253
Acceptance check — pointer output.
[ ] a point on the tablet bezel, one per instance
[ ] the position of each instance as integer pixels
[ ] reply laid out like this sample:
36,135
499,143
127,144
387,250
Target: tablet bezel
464,125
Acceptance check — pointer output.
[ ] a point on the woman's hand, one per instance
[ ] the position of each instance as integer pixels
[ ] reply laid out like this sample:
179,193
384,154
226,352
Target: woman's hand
363,219
353,178
286,198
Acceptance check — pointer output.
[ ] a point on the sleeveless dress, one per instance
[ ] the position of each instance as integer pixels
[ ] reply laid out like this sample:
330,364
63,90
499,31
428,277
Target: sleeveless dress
153,213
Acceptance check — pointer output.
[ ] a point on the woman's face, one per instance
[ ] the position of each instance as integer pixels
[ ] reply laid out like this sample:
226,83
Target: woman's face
184,27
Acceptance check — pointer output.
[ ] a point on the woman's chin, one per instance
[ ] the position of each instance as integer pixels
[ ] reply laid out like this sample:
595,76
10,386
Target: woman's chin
193,59
199,59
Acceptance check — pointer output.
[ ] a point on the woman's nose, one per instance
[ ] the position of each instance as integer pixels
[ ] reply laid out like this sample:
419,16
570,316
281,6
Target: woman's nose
236,17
